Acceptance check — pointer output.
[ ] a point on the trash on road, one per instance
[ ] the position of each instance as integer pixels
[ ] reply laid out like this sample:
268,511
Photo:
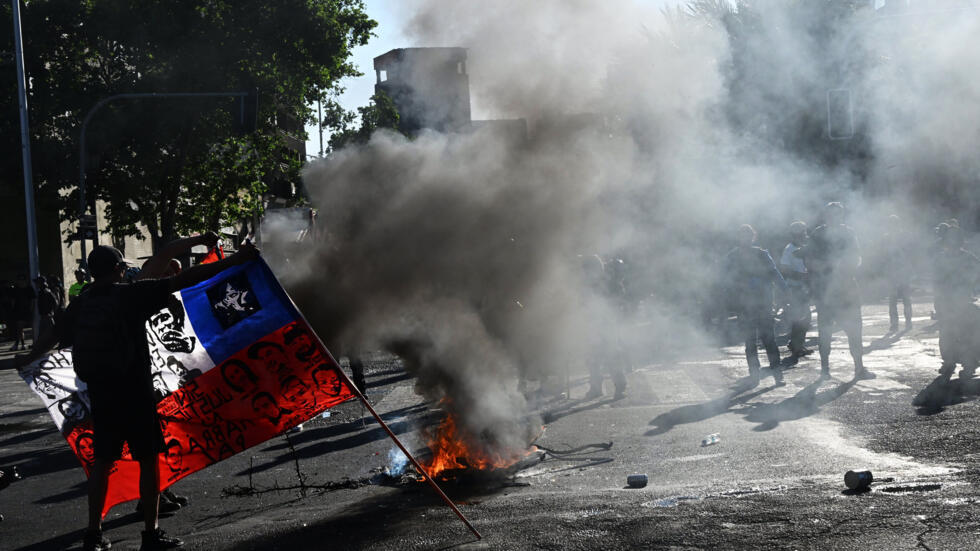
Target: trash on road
710,440
858,480
8,475
636,480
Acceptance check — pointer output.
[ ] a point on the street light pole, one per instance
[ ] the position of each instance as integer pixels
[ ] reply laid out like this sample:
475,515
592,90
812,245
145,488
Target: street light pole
319,120
88,117
25,141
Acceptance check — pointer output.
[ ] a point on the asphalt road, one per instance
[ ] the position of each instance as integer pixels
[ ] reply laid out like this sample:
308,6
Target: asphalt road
774,480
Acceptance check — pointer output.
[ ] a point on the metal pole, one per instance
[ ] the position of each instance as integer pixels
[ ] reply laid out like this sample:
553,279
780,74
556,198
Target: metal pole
319,120
81,187
25,141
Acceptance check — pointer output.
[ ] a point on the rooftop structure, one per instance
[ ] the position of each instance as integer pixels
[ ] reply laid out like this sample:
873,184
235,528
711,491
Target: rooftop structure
429,87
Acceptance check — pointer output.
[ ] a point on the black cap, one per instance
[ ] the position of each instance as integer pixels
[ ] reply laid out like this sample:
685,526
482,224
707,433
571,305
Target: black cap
104,259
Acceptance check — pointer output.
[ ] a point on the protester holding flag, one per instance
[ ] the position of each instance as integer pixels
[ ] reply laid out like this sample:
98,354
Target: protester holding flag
165,263
110,353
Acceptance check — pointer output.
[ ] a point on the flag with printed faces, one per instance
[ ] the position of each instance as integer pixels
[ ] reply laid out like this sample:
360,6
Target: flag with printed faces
233,364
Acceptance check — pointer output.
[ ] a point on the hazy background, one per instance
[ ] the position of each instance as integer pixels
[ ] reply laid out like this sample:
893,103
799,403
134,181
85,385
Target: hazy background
652,136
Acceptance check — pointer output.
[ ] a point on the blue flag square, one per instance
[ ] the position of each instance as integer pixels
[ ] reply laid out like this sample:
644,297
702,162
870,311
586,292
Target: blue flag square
237,307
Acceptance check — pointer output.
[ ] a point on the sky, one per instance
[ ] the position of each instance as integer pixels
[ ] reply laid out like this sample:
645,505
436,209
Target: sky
359,90
390,15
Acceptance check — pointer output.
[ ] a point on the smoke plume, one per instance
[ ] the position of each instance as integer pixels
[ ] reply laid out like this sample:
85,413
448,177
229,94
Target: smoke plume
651,136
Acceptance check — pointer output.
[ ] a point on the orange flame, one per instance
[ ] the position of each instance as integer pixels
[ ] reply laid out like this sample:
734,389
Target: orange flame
452,449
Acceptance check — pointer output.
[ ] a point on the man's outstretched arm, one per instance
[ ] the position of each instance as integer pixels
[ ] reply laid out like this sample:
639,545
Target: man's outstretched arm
157,265
201,272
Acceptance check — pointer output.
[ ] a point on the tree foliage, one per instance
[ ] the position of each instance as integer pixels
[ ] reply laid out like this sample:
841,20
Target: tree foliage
349,128
784,57
176,165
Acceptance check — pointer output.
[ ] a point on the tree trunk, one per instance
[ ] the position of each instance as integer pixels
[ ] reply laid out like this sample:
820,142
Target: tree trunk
170,189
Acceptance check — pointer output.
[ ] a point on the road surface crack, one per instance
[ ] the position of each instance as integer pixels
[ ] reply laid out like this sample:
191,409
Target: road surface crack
920,537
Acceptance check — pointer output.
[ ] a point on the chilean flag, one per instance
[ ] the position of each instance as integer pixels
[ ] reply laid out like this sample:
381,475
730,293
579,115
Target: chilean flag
234,363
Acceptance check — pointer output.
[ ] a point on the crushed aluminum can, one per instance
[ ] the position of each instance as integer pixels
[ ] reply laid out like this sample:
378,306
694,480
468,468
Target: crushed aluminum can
636,480
858,480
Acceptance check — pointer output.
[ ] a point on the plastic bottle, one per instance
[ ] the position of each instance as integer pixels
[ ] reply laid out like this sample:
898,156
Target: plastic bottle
710,440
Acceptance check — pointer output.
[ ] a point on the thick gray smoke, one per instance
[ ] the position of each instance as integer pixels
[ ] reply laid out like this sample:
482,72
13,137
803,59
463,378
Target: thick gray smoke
652,136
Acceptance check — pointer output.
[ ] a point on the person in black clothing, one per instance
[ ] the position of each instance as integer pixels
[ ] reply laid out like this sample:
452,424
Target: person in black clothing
47,304
7,307
58,288
750,274
23,310
896,272
602,350
124,404
798,295
833,258
956,275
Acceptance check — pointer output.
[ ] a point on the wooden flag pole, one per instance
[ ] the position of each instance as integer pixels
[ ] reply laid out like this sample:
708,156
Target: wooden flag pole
366,404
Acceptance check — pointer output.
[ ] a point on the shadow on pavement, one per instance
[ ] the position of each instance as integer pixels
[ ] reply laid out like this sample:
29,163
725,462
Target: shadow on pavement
23,436
886,341
416,512
71,540
389,380
329,431
23,413
318,446
944,391
803,404
41,462
76,491
572,407
699,412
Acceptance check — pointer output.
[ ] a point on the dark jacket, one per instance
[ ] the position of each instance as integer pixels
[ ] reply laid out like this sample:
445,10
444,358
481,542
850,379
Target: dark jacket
750,273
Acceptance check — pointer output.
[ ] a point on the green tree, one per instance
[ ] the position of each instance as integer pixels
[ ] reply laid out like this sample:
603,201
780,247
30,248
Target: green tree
177,165
785,56
348,128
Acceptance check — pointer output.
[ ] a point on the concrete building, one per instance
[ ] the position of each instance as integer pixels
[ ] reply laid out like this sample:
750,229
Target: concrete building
429,87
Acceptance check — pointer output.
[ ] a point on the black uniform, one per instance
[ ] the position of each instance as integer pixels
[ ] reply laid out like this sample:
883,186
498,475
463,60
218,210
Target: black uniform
751,273
896,268
956,274
832,259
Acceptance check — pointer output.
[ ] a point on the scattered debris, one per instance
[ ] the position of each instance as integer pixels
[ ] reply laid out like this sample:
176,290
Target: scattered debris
710,440
558,453
636,480
858,480
8,475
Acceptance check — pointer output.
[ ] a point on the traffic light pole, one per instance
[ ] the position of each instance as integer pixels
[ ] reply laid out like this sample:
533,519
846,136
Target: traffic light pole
82,203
